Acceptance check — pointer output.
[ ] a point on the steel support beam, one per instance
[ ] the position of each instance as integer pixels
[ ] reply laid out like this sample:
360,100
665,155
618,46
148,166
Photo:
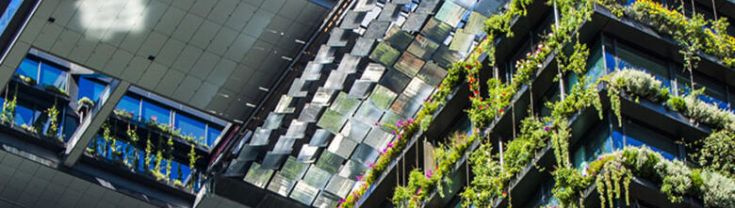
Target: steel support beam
91,125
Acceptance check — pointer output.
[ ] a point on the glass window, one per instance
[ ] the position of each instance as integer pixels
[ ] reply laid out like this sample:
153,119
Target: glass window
69,126
28,68
637,135
190,127
24,115
90,88
13,7
52,76
130,105
628,58
714,91
153,112
212,134
597,65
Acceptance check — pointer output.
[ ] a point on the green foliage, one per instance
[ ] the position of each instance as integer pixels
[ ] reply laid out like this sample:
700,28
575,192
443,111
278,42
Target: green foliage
690,32
717,190
700,111
634,83
568,185
27,80
148,153
421,185
580,97
485,185
29,128
718,153
676,179
53,117
193,157
85,101
676,103
8,113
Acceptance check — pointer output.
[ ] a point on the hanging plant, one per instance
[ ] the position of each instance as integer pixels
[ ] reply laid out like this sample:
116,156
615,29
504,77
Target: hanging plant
123,114
634,83
29,128
53,128
716,152
170,153
133,137
148,153
56,90
27,80
8,113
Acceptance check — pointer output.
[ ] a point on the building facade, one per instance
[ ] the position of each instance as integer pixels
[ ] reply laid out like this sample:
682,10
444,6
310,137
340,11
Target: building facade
367,103
127,103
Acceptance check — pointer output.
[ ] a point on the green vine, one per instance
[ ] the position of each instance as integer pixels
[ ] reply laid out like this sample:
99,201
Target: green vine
53,117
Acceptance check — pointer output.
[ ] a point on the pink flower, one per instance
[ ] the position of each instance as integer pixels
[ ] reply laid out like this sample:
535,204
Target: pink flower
410,121
546,128
390,145
359,178
429,173
371,165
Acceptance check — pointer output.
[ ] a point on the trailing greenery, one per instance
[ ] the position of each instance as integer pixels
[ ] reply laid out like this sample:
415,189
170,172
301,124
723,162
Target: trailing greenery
420,185
27,80
694,33
635,83
53,117
8,112
611,177
717,152
639,84
85,101
613,172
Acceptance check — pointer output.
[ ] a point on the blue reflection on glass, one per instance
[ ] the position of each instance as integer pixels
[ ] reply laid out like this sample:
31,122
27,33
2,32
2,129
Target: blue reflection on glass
130,105
153,112
190,126
9,13
90,89
24,115
28,68
51,75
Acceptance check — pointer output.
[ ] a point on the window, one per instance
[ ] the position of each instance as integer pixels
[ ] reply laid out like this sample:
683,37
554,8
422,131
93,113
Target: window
8,14
130,105
637,135
212,135
598,143
90,88
24,115
190,127
629,58
714,91
28,68
51,75
154,112
48,75
69,126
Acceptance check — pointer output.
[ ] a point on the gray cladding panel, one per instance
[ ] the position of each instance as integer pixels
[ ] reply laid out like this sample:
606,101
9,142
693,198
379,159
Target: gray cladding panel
207,41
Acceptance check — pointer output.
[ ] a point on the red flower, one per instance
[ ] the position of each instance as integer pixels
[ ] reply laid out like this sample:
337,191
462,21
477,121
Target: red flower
501,110
505,194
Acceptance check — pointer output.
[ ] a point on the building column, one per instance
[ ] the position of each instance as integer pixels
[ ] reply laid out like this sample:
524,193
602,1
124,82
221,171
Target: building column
91,125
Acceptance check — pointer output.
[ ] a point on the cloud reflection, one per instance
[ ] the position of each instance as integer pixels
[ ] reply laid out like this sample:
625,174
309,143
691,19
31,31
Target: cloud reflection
103,19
